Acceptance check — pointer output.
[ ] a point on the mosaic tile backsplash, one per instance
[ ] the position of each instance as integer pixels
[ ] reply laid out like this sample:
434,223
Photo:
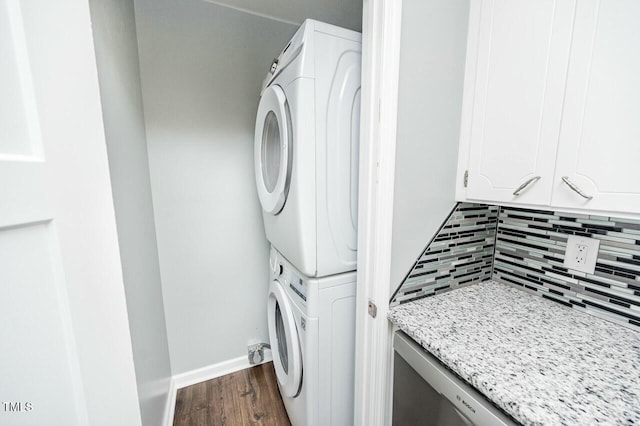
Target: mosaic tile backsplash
530,246
525,248
460,253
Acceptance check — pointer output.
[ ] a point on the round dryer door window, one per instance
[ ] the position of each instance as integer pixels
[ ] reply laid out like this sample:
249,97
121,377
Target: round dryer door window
273,149
285,346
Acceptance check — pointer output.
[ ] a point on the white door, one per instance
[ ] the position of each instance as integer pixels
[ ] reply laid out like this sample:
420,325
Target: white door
273,149
65,356
522,48
285,343
600,139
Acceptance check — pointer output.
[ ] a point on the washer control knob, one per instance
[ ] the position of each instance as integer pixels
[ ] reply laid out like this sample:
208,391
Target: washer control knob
277,268
274,66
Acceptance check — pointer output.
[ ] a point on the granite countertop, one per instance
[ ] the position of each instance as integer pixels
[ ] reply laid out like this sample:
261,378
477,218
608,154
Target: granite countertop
542,363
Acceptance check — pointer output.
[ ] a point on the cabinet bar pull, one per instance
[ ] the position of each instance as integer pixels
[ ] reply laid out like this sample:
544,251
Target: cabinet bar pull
524,185
573,186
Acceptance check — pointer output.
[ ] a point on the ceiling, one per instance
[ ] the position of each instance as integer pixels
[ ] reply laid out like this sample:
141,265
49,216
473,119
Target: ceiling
344,13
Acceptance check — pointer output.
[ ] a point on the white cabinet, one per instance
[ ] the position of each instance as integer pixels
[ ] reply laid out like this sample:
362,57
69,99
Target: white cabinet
552,90
521,49
599,149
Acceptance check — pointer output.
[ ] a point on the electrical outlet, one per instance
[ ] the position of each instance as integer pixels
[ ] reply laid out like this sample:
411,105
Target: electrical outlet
581,254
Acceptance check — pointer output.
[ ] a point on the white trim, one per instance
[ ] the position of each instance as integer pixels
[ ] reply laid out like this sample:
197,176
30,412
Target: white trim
213,371
170,406
381,60
549,207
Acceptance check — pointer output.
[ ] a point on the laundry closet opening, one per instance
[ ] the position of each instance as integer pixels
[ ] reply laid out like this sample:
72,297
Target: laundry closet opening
203,72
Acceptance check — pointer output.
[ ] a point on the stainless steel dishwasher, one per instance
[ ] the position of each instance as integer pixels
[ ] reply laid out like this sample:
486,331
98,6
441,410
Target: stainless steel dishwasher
426,393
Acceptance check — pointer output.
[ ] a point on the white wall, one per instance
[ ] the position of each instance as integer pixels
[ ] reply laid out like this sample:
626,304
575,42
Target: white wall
118,74
432,58
202,66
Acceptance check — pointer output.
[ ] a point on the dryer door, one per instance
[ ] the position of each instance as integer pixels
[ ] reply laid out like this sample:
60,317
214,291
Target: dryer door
285,344
273,149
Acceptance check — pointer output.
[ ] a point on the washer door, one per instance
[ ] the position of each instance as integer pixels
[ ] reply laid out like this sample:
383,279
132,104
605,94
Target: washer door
285,344
273,149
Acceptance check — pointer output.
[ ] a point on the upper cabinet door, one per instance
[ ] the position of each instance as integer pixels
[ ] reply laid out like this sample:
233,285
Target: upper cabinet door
600,137
522,50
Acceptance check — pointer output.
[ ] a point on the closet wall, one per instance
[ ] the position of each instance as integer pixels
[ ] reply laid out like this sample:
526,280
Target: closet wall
202,67
114,35
432,60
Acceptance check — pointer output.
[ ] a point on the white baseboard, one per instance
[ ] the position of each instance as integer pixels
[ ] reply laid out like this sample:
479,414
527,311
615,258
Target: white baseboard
203,374
209,372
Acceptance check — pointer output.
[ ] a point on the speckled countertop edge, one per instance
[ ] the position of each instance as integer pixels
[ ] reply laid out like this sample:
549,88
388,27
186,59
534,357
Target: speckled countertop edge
542,363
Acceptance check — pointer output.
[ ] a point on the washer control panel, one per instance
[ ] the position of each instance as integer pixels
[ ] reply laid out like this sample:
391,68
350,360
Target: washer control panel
298,286
288,277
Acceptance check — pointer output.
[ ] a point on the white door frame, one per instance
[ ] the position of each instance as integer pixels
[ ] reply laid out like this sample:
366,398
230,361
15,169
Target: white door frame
380,67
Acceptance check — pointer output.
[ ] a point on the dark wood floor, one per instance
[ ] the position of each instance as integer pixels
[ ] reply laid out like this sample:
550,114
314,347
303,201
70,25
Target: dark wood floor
247,397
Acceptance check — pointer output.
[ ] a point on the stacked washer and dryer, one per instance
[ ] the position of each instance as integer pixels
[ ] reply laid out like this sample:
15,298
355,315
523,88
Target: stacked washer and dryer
306,165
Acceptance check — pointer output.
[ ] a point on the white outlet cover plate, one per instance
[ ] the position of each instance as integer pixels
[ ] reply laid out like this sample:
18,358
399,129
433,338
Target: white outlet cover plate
589,265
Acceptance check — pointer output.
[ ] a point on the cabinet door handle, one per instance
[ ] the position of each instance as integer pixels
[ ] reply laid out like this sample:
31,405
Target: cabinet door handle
573,186
524,185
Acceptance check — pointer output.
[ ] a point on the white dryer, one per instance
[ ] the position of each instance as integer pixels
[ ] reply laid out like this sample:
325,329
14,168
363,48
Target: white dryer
306,149
312,333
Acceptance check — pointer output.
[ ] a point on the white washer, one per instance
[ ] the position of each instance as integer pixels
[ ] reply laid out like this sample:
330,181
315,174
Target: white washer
312,333
306,149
